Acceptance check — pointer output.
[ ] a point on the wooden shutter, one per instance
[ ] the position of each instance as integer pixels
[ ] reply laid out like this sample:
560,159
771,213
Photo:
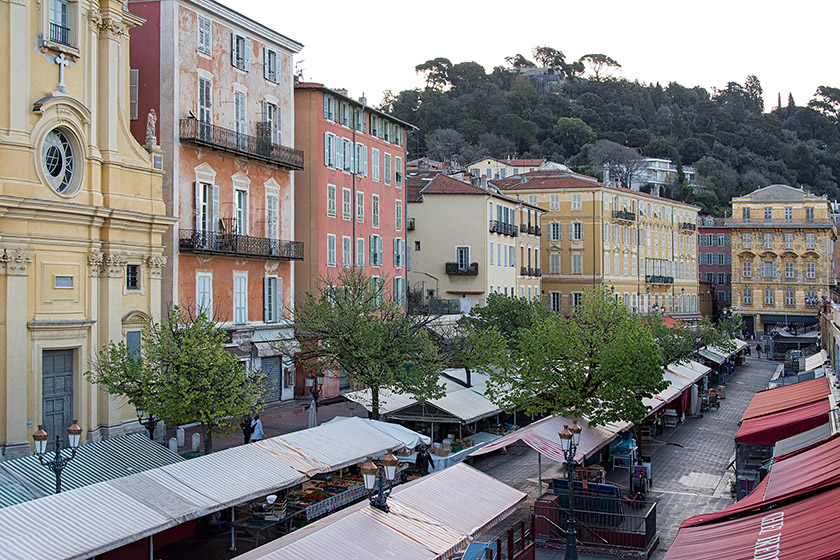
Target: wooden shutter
265,63
247,55
233,49
215,216
267,303
278,299
198,224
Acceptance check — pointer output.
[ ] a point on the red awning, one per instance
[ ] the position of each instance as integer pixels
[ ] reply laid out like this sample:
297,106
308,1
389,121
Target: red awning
786,480
768,429
788,396
802,530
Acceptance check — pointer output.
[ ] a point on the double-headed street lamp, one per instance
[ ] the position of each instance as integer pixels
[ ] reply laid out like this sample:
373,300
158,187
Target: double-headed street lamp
315,384
569,440
375,477
150,423
56,465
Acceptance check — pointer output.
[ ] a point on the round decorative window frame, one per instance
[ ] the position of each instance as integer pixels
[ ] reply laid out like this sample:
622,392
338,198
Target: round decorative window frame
73,186
70,117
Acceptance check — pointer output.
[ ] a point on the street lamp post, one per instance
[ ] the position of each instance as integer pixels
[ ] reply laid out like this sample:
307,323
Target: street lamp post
315,384
569,440
150,423
56,465
375,477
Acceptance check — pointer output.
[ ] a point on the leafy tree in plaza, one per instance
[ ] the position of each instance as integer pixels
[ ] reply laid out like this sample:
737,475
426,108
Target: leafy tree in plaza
679,342
598,362
352,326
508,315
599,63
183,374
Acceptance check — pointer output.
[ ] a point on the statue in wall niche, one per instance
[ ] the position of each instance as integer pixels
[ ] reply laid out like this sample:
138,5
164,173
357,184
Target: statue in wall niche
151,122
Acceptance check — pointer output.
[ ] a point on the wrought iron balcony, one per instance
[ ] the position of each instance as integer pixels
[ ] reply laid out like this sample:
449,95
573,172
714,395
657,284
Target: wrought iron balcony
537,272
410,225
523,228
624,215
523,271
452,268
59,34
817,223
657,279
231,244
688,226
503,228
538,231
201,133
494,226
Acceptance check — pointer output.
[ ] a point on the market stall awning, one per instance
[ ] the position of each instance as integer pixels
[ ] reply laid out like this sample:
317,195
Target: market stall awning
806,439
771,319
802,530
409,438
684,369
467,405
543,437
770,428
430,518
711,356
95,462
787,479
770,401
816,360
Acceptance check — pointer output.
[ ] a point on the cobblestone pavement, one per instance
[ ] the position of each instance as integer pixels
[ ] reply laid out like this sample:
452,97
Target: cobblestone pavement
689,462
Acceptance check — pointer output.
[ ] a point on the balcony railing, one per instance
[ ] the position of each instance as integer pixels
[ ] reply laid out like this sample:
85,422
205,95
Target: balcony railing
624,215
197,241
688,226
538,231
657,279
820,223
202,133
503,228
59,34
452,268
523,228
528,271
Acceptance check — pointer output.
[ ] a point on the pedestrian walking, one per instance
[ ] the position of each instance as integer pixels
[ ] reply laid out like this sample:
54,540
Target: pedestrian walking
256,429
245,424
758,350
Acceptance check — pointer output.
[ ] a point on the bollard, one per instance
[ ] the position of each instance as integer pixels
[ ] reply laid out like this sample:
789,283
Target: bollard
196,442
173,445
179,433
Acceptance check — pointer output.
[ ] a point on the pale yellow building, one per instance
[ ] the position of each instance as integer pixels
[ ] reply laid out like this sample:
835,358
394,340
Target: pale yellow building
81,216
782,257
495,168
466,242
644,248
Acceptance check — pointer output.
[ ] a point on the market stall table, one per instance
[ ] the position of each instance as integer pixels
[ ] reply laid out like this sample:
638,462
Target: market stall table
257,525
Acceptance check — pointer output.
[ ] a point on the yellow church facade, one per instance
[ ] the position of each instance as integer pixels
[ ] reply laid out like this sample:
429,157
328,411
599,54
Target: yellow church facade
81,216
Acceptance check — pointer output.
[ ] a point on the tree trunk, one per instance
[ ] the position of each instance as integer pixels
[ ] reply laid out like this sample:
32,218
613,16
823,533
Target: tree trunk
208,439
469,376
374,403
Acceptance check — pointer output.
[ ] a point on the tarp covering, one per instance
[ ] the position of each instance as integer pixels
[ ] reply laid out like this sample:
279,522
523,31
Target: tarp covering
768,429
543,436
770,401
801,530
805,439
816,360
711,356
786,480
94,462
409,438
430,518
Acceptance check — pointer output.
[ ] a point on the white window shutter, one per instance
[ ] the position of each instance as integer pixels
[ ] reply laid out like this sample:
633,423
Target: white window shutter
267,300
379,242
233,49
265,62
372,250
278,299
571,231
365,159
327,149
396,253
278,125
215,216
247,55
197,206
583,231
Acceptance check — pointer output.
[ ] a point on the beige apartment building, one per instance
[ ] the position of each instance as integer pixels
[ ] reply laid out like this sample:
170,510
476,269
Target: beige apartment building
782,257
643,247
465,242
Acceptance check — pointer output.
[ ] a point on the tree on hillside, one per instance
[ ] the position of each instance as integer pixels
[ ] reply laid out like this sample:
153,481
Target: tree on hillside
827,102
572,134
598,362
351,326
548,57
436,71
599,63
623,164
444,144
182,375
519,61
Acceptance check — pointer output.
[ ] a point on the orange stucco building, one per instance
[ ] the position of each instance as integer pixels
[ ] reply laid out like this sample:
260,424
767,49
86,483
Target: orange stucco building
221,85
350,197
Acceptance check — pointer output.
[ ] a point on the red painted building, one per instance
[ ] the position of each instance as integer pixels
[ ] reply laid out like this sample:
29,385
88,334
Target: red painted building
350,196
222,87
715,261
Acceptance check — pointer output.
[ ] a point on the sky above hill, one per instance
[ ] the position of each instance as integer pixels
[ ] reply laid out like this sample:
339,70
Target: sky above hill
371,46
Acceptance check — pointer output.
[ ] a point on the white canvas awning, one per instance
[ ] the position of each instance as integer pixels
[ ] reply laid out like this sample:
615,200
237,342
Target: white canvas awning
409,438
686,371
814,361
806,438
711,356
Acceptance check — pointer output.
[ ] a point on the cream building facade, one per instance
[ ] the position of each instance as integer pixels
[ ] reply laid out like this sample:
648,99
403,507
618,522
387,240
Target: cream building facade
466,242
643,247
783,242
81,217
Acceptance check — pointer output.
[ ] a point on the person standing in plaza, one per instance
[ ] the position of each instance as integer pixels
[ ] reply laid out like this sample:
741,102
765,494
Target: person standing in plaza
423,462
256,429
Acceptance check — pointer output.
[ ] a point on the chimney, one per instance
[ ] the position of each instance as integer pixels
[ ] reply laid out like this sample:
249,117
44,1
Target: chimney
342,91
484,182
363,99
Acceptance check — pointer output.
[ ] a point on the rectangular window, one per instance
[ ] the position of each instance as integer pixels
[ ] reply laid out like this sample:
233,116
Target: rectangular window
788,241
554,263
810,270
346,251
789,299
788,270
132,277
512,258
577,231
398,172
399,252
271,71
576,203
577,263
240,52
555,231
398,217
205,109
330,249
360,252
788,214
768,213
240,298
240,202
747,269
374,210
60,21
809,214
810,241
272,216
745,214
399,290
272,299
492,254
375,163
67,281
462,257
746,239
132,342
747,296
375,250
360,207
269,131
387,170
240,119
204,293
347,204
133,92
329,108
204,38
575,299
361,160
377,284
554,202
768,240
768,297
556,301
331,201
